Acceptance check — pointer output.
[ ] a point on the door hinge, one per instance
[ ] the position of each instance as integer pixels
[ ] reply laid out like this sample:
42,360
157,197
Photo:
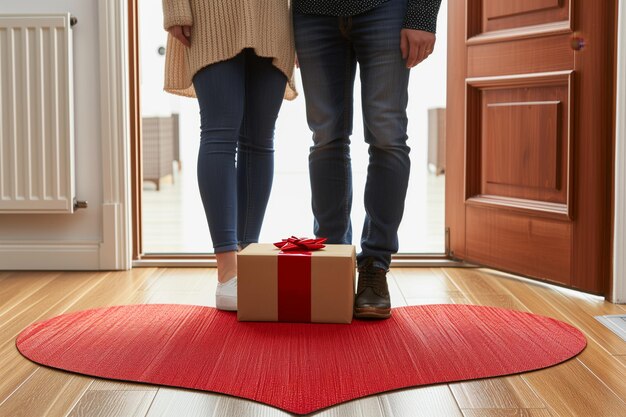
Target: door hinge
447,243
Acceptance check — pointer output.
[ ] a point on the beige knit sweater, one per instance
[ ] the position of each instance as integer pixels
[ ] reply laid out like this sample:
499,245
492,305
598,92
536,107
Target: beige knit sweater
221,29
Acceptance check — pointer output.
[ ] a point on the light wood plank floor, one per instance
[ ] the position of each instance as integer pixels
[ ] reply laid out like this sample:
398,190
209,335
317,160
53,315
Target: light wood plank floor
592,385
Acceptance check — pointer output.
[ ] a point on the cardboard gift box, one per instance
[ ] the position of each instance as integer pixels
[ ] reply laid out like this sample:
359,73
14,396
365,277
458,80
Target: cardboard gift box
300,286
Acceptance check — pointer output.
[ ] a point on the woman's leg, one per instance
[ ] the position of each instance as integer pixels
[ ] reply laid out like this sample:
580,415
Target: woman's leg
265,88
220,89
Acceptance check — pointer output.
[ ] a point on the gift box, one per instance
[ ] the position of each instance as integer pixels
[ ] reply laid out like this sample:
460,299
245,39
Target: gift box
296,285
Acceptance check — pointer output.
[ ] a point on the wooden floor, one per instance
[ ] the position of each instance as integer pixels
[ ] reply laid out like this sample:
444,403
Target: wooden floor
591,385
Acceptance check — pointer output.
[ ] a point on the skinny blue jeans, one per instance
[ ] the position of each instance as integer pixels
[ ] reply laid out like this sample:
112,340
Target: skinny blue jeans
329,49
239,101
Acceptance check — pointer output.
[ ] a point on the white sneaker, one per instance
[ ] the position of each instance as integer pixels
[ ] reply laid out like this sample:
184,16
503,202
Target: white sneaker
226,295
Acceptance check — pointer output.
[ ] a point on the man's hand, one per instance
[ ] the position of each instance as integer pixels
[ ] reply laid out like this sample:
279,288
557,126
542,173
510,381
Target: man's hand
182,33
416,45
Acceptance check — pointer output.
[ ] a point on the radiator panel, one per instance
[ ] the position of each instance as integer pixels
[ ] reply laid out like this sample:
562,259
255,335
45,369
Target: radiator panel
36,114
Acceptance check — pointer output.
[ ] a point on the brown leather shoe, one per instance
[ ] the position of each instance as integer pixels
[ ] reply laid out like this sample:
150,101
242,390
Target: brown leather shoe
372,295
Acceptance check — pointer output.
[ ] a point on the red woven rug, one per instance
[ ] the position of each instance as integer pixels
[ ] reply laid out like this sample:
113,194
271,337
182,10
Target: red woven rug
298,367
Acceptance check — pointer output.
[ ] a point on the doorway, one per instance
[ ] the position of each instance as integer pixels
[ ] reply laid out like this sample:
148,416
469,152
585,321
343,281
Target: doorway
172,220
546,68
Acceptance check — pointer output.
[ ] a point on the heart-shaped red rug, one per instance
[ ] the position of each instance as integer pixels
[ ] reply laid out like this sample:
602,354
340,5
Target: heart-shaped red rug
298,367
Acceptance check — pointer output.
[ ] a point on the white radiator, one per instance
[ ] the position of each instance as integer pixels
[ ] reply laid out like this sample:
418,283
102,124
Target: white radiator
36,114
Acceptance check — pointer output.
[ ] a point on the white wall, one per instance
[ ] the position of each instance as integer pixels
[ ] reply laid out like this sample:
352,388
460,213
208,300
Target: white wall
82,229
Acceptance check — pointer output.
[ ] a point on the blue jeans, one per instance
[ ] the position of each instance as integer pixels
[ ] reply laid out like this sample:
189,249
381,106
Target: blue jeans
239,102
329,49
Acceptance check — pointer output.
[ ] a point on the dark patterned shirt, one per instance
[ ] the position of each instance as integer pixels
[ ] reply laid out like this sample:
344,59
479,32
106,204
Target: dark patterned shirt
420,14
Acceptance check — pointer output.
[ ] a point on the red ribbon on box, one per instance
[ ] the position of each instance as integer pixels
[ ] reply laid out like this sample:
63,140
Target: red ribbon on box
294,278
300,244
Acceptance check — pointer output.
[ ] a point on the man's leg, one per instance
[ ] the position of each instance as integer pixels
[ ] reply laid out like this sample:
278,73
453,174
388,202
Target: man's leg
328,67
384,84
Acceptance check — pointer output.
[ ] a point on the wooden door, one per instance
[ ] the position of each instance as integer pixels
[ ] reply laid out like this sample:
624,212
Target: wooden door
530,134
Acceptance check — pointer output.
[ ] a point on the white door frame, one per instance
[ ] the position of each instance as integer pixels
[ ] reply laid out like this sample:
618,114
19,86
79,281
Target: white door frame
618,294
116,245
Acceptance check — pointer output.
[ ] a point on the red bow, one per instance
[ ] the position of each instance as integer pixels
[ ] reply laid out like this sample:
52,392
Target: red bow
300,244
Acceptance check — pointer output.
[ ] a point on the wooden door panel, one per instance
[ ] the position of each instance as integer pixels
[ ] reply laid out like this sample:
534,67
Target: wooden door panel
519,139
509,14
515,242
520,56
499,8
521,142
529,138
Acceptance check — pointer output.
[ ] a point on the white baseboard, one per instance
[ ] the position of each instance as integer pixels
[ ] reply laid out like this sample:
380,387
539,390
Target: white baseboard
49,255
108,254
